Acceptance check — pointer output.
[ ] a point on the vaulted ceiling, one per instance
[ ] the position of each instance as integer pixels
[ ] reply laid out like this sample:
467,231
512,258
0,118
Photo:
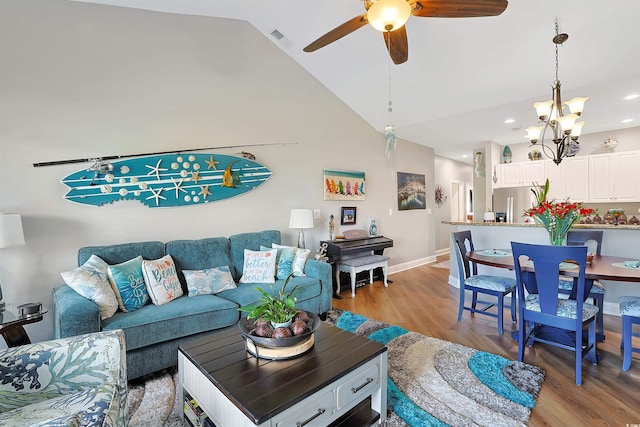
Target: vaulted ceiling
464,76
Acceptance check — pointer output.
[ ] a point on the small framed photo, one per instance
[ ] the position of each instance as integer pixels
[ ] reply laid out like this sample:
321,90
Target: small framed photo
348,216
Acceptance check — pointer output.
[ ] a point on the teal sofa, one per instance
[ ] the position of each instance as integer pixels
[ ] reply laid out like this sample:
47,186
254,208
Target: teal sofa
77,381
153,333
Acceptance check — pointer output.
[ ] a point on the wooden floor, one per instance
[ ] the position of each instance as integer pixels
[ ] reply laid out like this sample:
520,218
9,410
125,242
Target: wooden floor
421,300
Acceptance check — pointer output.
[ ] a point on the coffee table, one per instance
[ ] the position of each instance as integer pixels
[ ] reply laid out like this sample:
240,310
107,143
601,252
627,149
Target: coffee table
341,380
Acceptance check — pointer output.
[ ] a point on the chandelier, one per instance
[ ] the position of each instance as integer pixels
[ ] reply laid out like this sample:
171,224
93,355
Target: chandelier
565,129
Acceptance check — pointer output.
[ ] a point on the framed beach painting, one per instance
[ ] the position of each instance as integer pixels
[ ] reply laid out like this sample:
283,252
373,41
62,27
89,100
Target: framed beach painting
411,191
348,215
343,185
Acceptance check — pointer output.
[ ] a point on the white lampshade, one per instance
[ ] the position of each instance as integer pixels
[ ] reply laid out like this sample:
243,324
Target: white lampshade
533,132
388,15
577,130
11,233
301,218
576,105
543,109
567,122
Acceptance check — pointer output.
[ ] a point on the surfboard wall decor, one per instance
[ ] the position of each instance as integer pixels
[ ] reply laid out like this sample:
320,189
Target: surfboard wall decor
167,180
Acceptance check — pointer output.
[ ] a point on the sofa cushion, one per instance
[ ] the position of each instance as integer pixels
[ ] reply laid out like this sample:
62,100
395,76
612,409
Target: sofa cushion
181,317
128,284
91,281
246,293
252,241
200,255
209,281
116,254
259,266
162,280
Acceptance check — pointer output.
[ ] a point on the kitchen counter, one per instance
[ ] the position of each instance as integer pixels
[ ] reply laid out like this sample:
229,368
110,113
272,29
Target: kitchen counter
533,224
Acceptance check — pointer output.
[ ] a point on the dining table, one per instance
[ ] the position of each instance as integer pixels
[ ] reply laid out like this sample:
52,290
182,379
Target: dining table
601,267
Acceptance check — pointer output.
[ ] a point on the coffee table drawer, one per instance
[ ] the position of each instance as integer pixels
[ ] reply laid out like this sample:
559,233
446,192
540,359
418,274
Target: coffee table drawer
311,414
359,386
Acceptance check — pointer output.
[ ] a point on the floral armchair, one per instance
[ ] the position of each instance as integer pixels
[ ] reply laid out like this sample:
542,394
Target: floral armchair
75,381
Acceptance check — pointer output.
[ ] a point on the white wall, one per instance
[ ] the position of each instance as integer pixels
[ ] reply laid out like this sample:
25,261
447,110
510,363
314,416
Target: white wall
446,171
84,80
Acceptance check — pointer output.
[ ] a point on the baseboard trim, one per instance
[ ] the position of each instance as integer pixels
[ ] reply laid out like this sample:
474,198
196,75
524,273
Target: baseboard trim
397,268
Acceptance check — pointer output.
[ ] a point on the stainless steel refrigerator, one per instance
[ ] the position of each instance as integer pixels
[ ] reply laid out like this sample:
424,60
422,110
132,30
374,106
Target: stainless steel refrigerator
512,202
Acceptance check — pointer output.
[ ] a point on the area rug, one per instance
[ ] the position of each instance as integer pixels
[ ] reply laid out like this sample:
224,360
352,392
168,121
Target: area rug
432,382
154,402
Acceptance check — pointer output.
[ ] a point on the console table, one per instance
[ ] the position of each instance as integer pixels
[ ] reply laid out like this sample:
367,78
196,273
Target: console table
341,380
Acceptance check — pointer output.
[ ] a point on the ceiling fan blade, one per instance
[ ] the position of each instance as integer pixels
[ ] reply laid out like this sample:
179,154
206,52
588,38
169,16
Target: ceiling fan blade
458,8
398,46
338,32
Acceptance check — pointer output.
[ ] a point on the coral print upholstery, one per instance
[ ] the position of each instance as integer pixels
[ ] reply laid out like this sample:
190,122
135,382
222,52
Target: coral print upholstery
76,381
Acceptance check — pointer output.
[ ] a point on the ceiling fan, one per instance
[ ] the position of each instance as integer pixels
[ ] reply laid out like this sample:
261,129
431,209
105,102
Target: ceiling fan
389,16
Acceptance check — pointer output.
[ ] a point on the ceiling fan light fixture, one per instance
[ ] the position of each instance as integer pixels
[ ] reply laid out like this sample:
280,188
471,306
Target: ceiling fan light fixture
388,15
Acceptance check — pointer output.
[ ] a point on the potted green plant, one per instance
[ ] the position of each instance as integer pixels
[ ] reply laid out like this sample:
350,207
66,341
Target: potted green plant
279,308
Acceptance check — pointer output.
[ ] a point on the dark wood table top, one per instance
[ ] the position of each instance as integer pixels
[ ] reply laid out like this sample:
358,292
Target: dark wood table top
263,388
601,268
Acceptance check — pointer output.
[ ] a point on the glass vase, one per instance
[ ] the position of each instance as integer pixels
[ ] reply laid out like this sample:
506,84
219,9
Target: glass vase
557,239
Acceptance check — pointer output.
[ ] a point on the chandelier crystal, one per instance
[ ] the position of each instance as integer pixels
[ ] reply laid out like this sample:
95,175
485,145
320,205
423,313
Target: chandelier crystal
565,128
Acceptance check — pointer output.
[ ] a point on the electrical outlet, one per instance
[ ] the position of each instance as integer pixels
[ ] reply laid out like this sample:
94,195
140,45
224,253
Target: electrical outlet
428,211
391,211
316,214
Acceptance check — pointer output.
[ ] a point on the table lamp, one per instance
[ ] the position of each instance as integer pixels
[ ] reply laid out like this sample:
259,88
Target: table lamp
11,234
301,218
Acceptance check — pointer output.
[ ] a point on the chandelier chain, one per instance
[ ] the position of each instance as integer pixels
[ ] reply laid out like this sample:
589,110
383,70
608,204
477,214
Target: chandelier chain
557,78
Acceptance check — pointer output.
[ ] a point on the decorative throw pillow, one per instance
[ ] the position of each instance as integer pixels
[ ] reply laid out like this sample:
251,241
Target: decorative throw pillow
128,284
90,280
209,281
259,266
161,279
299,259
284,263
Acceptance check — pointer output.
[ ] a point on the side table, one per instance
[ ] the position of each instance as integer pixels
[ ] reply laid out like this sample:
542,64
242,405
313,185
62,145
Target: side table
11,326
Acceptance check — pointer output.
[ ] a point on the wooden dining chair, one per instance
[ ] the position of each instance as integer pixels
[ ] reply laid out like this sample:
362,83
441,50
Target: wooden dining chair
543,315
470,280
630,312
583,238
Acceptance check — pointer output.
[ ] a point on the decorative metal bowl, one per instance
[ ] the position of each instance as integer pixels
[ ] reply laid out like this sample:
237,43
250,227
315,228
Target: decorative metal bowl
247,327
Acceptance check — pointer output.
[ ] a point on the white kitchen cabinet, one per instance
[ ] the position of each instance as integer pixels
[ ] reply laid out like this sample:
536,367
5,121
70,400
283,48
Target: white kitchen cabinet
569,179
520,174
612,177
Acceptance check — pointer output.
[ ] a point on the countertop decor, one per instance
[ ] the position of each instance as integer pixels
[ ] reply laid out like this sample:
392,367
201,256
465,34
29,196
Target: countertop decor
558,218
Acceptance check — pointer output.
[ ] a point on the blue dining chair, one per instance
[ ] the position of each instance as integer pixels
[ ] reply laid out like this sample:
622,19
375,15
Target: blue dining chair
470,280
583,238
630,312
542,313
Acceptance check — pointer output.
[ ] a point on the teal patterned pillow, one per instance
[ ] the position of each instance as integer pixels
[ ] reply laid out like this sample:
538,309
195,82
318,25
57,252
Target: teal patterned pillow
209,281
128,284
285,257
299,259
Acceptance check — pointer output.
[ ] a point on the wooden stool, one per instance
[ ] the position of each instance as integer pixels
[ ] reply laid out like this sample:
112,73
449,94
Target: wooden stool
362,263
